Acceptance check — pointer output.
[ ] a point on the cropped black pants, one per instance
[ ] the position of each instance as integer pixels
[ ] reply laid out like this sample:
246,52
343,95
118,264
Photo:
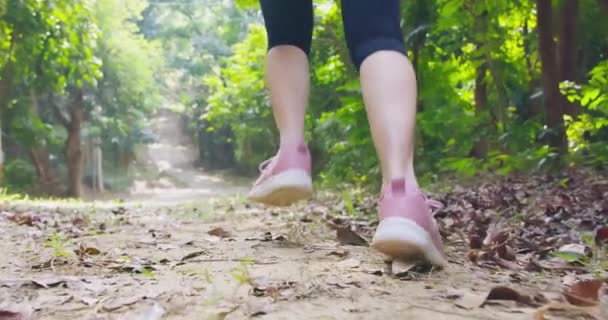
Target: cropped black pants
369,25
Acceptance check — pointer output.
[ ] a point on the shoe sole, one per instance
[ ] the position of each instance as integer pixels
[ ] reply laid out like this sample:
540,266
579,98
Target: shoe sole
283,189
403,239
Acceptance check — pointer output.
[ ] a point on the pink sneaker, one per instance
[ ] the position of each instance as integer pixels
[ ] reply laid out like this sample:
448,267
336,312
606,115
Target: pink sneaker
407,229
285,178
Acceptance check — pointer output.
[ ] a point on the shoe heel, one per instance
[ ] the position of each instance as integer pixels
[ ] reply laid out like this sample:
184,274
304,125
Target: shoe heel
403,239
284,189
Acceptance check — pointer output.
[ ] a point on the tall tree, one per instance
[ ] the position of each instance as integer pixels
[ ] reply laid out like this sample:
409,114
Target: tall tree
568,49
554,111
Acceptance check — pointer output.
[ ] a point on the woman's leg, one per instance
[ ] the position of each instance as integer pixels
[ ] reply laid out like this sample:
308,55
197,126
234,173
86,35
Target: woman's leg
289,27
389,90
388,83
289,24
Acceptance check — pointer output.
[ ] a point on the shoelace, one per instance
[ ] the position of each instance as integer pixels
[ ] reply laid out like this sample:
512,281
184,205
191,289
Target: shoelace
433,204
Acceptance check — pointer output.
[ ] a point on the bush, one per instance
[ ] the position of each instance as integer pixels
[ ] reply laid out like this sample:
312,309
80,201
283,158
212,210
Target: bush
19,176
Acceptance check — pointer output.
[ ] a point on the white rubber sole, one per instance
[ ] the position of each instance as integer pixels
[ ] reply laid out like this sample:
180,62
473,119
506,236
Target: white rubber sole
283,189
404,239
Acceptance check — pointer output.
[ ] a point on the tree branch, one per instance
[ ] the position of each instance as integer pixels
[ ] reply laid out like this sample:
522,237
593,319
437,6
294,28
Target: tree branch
60,116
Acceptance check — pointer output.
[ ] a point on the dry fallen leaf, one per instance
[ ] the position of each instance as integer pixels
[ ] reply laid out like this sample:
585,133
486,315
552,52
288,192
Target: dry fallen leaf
349,264
584,293
89,301
21,218
348,237
87,251
339,253
119,302
465,299
16,312
567,311
272,290
509,294
10,315
219,232
49,282
193,255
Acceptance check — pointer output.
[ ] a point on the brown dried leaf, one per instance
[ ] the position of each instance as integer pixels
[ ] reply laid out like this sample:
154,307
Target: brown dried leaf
348,237
496,235
16,312
10,315
506,252
49,282
584,293
506,293
272,290
507,264
568,311
339,253
219,232
21,218
87,251
193,255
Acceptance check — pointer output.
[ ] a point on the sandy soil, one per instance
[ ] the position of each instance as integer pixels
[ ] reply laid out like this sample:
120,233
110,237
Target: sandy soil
270,264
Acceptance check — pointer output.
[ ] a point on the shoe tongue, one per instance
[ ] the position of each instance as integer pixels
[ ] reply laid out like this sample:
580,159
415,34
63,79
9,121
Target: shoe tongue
398,186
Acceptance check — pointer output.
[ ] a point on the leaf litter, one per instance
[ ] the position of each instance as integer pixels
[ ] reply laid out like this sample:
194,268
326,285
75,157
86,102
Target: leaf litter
510,228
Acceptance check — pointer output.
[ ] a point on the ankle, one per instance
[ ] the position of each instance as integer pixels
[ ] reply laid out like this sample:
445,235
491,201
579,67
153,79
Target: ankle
400,185
290,143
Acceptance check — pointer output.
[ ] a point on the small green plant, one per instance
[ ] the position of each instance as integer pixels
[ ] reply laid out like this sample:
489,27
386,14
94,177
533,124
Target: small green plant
595,263
148,273
241,273
59,244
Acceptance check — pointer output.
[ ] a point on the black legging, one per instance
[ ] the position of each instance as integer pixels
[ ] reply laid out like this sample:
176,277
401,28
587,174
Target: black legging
369,25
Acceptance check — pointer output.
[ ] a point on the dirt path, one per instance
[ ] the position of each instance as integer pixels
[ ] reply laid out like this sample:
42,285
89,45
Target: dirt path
174,156
195,250
222,259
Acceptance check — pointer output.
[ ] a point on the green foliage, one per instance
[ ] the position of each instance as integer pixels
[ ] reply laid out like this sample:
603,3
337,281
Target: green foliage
59,243
241,273
589,131
129,89
239,101
53,51
477,64
452,42
19,176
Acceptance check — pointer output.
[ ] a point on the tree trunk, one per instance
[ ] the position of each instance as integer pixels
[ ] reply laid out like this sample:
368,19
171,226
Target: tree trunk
604,5
550,78
73,148
534,105
1,154
568,49
480,150
44,170
40,157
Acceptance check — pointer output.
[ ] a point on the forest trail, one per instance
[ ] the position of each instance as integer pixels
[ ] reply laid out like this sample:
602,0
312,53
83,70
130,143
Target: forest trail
174,155
222,259
196,250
